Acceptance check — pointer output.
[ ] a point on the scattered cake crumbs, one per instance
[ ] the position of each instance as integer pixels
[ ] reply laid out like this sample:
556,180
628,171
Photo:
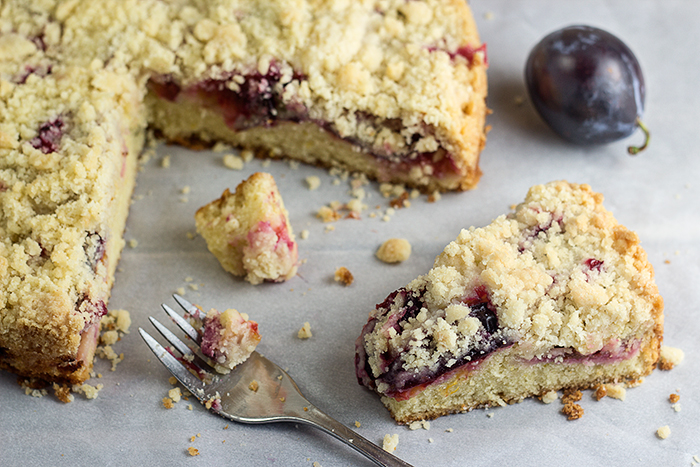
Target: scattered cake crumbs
304,234
549,397
175,394
313,182
172,380
616,391
109,337
449,430
673,398
62,392
571,396
635,382
394,250
663,432
165,162
193,451
357,424
247,155
168,403
390,442
253,386
400,201
434,197
669,357
305,331
344,276
600,392
88,390
133,243
180,291
328,214
572,410
418,424
233,162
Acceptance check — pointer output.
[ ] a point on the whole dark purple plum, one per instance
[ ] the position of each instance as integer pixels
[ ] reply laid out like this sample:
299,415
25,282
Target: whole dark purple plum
587,85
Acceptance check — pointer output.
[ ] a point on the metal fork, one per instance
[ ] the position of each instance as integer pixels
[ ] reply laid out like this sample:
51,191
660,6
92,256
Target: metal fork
256,391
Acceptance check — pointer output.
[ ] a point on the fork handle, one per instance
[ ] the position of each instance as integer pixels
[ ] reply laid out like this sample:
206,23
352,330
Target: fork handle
318,419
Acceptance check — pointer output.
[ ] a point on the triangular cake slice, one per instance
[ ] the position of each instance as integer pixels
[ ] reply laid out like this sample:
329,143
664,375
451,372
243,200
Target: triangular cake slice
555,295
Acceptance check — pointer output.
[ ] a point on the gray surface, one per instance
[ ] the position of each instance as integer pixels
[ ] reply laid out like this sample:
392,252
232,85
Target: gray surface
655,194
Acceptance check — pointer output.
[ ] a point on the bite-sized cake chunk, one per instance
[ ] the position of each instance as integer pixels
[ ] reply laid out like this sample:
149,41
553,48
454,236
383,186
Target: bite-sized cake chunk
228,338
249,231
554,295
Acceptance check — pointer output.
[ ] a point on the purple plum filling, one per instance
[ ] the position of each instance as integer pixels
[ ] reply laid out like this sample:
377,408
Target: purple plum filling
49,137
210,338
395,375
255,100
96,309
39,70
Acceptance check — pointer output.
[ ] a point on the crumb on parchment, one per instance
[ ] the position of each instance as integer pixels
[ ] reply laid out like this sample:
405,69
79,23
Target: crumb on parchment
344,276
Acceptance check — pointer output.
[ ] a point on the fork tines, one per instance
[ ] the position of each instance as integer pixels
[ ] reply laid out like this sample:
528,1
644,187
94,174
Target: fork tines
191,370
178,370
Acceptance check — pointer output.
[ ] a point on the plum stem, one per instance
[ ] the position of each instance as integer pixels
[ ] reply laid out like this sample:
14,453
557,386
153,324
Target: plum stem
634,150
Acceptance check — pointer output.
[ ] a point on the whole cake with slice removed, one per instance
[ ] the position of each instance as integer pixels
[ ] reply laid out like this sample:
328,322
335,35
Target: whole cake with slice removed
394,89
555,295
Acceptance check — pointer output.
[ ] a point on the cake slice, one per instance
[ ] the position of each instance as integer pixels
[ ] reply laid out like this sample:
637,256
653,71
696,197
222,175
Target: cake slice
393,89
555,295
249,231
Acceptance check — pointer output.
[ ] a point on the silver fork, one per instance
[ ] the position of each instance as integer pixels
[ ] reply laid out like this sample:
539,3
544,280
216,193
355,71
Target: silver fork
256,391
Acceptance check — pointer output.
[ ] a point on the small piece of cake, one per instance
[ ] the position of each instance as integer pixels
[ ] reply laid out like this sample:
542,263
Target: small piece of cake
249,231
228,338
556,295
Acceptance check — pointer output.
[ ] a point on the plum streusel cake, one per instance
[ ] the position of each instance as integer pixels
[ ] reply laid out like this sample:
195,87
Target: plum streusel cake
392,88
555,295
249,231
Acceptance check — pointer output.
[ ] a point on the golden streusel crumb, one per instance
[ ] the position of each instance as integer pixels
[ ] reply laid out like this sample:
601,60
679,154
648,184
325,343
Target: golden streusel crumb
390,442
305,331
669,357
344,276
394,250
571,396
572,411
